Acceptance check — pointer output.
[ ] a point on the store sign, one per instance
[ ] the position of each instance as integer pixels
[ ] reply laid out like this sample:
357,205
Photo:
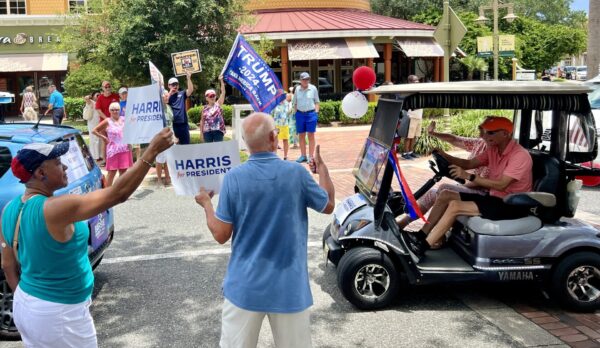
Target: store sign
24,38
29,39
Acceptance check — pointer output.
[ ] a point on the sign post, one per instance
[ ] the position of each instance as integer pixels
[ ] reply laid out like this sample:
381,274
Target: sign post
448,34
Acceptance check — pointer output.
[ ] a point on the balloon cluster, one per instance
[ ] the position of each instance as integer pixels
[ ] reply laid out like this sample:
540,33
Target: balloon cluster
355,104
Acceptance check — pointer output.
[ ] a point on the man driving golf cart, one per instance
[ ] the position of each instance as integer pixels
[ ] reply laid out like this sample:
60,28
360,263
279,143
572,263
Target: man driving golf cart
510,167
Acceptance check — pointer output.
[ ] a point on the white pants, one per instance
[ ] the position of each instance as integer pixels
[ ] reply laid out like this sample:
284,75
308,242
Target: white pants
49,324
240,328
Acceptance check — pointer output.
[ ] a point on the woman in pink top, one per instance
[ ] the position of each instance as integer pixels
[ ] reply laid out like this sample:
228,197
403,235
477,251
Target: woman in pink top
118,155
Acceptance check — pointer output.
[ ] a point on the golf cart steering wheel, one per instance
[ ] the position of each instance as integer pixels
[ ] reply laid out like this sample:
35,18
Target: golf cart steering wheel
444,167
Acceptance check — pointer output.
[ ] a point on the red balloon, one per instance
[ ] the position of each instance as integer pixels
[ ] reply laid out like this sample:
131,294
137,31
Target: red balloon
363,78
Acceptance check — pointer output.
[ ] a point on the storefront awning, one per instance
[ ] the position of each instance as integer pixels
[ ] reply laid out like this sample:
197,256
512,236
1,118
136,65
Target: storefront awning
34,62
331,49
420,47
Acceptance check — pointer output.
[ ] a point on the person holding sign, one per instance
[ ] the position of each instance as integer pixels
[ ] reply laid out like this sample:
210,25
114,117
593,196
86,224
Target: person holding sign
176,100
212,123
118,154
263,204
44,240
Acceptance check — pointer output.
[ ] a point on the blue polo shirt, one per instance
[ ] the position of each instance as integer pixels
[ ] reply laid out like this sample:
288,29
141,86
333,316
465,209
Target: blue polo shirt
177,103
306,99
57,100
266,200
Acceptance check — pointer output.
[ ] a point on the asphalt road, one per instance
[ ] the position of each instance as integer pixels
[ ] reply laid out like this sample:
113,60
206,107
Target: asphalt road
159,285
588,201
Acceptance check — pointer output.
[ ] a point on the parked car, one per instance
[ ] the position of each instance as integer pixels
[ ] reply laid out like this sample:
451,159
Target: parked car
548,248
83,176
324,86
568,72
580,73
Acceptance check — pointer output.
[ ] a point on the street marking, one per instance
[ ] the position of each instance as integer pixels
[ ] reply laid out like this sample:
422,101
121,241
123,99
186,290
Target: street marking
179,254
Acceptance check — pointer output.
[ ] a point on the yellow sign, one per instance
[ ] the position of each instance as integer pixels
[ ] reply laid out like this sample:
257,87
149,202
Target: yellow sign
186,61
485,46
506,43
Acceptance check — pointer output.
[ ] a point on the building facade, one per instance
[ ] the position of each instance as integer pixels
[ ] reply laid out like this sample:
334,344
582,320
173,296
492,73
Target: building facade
329,39
29,55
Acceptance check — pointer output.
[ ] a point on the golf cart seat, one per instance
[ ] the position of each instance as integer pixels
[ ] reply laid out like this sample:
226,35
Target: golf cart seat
541,203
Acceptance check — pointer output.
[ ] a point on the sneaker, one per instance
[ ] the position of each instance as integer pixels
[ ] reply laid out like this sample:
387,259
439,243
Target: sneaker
407,156
418,248
302,159
413,155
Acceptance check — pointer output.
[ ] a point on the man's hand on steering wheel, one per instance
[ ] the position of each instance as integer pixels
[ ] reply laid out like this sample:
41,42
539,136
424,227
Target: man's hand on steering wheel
458,173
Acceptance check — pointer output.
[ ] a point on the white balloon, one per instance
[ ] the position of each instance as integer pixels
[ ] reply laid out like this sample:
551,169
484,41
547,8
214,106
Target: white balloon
355,104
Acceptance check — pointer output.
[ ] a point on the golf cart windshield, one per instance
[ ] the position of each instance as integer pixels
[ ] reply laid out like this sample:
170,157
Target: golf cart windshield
370,165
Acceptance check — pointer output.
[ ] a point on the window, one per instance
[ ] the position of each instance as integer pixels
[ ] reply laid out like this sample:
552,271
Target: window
77,6
13,7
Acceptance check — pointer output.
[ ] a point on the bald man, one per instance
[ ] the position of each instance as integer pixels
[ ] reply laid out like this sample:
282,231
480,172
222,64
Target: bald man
263,205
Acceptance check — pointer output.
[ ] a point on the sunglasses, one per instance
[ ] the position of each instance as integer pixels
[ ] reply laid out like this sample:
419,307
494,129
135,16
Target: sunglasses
490,132
114,109
107,86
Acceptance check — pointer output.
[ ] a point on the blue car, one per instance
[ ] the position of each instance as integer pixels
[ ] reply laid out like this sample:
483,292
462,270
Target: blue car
83,176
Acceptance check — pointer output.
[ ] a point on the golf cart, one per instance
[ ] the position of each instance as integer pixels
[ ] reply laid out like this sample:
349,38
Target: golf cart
548,247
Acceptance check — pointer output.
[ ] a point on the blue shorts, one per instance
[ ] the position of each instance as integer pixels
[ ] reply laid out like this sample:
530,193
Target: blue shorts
306,122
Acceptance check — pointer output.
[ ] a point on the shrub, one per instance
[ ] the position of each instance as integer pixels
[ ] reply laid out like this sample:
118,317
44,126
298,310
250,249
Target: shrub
86,79
74,107
227,114
432,113
465,123
425,143
336,107
326,112
194,114
366,119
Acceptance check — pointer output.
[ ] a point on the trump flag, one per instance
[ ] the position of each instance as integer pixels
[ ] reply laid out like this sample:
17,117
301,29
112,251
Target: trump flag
252,76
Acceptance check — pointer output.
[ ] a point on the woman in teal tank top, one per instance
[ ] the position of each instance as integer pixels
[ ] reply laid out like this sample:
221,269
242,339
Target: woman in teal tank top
44,244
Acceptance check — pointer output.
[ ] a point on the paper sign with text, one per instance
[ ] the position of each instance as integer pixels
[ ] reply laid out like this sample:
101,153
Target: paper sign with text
144,116
156,77
194,166
186,61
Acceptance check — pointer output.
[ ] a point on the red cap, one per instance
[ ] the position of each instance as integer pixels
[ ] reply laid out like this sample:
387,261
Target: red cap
494,123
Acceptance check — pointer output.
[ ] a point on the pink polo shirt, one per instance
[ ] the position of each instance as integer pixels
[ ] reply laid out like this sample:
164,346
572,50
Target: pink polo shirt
514,162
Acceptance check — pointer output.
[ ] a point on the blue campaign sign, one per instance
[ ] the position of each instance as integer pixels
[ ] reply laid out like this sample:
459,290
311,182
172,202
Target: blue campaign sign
252,76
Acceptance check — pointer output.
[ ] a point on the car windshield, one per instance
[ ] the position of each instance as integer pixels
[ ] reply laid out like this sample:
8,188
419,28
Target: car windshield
594,99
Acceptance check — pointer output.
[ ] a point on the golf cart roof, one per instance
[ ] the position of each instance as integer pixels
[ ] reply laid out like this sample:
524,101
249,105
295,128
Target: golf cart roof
483,87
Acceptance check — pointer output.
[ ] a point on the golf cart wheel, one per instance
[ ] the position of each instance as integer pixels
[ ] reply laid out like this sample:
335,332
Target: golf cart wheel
8,329
576,282
368,278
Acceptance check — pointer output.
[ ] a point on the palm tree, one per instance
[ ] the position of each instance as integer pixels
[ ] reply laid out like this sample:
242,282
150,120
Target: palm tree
474,63
593,50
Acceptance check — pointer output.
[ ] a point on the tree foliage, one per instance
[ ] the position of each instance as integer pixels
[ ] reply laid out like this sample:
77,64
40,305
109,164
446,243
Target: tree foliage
472,64
547,11
122,36
86,79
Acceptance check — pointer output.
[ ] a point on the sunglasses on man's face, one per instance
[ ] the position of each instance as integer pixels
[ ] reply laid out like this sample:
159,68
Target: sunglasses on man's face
115,110
107,86
490,132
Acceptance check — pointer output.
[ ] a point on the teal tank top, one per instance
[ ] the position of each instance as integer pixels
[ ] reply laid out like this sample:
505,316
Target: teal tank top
50,270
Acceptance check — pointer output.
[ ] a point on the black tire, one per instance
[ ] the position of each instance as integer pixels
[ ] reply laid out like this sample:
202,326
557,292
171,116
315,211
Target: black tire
368,278
8,330
576,282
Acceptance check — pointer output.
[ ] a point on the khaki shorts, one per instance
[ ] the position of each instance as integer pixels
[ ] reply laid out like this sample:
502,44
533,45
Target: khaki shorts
284,132
414,129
